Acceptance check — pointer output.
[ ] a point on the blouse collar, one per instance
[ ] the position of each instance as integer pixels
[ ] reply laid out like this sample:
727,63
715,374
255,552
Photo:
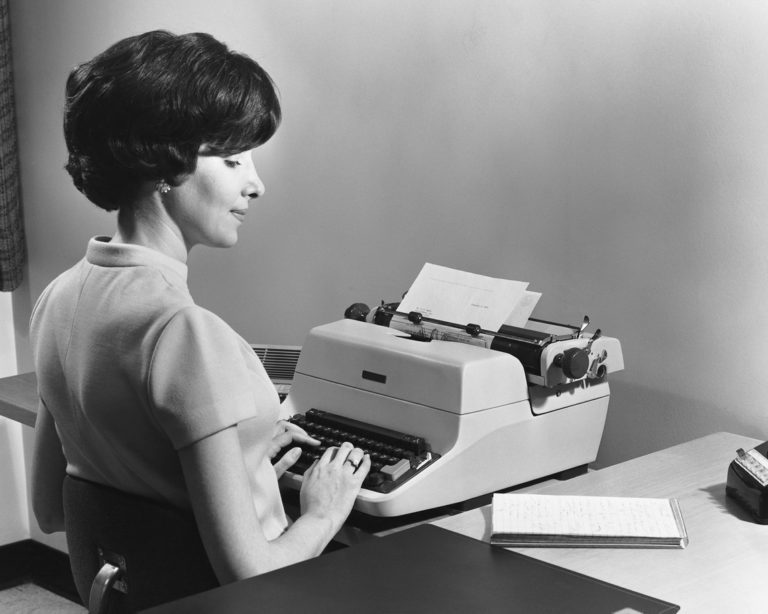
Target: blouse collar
103,252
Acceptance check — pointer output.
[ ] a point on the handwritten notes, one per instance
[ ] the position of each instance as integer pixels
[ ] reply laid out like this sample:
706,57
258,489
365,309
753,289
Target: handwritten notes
562,520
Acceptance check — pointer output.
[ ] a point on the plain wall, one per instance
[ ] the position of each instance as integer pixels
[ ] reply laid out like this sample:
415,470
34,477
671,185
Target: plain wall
14,524
613,154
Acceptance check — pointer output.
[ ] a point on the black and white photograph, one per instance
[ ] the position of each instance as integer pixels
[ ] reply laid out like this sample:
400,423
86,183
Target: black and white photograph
386,307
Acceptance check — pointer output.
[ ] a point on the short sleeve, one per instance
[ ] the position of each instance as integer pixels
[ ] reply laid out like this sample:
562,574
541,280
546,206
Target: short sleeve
199,381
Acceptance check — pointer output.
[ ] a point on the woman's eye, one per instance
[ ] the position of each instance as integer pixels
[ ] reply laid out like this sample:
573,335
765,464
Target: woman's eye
232,163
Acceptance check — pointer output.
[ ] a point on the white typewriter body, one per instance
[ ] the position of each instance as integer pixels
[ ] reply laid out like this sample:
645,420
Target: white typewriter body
476,407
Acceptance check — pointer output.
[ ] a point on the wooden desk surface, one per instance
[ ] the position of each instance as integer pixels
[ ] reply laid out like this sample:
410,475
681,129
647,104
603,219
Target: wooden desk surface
725,565
18,398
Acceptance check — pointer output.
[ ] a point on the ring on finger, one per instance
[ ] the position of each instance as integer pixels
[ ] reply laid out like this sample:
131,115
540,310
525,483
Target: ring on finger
353,463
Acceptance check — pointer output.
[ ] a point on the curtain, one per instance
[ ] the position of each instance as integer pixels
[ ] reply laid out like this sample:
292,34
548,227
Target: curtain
12,243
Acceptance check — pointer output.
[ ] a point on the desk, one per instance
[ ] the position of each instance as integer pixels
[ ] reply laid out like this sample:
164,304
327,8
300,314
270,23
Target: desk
724,567
18,398
722,570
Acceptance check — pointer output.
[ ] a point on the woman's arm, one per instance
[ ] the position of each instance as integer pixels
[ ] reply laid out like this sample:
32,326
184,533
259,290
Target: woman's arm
48,471
217,480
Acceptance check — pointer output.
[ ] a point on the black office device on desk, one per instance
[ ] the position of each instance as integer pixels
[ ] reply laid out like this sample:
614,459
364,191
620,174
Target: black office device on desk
747,481
422,570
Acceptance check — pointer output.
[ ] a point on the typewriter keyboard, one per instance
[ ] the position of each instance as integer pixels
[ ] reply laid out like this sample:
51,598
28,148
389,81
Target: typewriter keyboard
395,456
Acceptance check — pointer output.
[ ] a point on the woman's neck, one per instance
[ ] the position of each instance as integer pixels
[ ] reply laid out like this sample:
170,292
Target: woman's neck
146,222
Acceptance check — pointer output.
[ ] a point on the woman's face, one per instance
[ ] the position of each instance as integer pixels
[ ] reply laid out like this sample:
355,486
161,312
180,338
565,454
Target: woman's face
211,203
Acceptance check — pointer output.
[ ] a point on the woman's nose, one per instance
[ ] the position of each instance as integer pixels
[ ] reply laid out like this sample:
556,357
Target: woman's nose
255,187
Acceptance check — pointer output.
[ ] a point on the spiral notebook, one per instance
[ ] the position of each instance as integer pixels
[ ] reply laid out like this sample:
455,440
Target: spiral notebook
520,520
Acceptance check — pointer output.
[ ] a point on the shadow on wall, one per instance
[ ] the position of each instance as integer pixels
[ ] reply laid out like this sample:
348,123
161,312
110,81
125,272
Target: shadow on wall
642,420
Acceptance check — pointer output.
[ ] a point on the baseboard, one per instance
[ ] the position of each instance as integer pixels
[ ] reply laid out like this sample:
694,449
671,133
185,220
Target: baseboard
31,561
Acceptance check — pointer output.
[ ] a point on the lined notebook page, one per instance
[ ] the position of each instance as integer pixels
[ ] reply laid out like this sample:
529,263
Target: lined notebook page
583,515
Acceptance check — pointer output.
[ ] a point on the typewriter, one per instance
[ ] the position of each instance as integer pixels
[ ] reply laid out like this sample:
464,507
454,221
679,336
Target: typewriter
451,412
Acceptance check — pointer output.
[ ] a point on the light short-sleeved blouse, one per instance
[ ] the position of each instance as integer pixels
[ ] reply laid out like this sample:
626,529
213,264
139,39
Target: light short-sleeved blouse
132,370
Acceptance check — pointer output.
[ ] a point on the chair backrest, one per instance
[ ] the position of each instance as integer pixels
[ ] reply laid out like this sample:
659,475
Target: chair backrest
158,545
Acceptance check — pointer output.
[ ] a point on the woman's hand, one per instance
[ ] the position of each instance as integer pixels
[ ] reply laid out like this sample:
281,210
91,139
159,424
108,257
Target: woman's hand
221,495
285,434
331,484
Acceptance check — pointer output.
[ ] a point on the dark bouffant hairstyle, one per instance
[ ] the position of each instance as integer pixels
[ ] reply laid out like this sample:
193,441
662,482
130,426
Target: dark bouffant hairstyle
141,110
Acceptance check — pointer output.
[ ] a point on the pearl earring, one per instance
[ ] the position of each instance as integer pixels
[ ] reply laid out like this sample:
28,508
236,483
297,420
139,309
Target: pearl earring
162,186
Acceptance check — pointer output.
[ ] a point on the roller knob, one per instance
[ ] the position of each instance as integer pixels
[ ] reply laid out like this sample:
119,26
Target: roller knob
574,362
357,311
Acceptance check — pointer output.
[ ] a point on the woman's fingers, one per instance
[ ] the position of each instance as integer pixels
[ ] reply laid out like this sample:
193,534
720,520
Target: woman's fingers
342,452
344,455
361,467
354,458
346,459
293,432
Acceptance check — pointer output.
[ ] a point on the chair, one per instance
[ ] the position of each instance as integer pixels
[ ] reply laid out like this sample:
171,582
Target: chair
129,553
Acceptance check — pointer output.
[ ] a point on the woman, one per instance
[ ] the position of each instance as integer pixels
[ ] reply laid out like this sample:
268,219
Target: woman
139,387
